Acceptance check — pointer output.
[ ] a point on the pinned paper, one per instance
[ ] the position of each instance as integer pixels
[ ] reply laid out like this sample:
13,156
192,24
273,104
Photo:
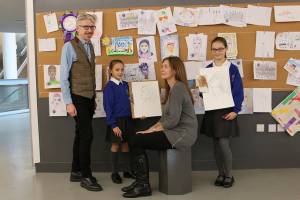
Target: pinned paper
57,107
127,19
146,22
146,49
47,44
262,100
265,70
231,40
258,15
265,43
186,16
165,22
50,21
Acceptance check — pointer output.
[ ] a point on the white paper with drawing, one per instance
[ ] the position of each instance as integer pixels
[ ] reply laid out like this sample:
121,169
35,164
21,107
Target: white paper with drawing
265,43
186,16
210,15
96,45
292,80
192,69
145,99
146,49
51,76
50,21
247,105
219,89
57,107
47,44
99,23
139,72
198,101
287,13
234,16
169,46
99,111
288,41
197,46
231,40
293,67
146,22
165,22
258,15
127,19
265,70
262,100
239,64
98,77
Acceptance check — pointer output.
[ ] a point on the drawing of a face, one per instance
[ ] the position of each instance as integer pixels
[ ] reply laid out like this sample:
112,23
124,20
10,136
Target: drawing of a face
144,46
144,69
52,72
186,16
171,47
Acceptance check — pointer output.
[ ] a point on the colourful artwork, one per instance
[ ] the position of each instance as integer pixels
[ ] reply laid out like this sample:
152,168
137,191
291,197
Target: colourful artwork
57,107
120,46
146,22
165,22
287,113
169,46
52,76
197,47
127,19
186,16
139,72
146,49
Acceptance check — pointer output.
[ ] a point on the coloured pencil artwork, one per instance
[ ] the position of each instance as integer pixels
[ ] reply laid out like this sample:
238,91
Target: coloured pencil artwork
127,19
287,113
52,76
57,107
139,72
165,22
186,16
120,46
146,22
146,49
288,41
169,45
197,46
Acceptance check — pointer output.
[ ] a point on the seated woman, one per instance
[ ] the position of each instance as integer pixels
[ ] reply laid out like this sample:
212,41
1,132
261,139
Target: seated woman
177,127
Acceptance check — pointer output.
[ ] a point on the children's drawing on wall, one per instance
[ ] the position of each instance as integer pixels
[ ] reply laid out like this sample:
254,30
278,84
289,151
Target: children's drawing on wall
57,106
265,42
265,70
288,41
127,19
52,76
231,40
98,77
287,13
247,105
197,47
235,16
146,22
198,101
146,49
210,15
139,72
293,67
186,16
169,45
165,22
239,64
120,46
99,111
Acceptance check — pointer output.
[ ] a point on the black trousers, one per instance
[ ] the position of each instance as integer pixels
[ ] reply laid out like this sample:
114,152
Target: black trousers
83,135
138,143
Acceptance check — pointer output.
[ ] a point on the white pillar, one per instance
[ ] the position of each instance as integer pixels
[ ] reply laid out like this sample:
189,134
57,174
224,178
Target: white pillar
9,48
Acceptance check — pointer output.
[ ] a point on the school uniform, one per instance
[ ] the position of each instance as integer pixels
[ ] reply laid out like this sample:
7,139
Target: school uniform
116,104
213,124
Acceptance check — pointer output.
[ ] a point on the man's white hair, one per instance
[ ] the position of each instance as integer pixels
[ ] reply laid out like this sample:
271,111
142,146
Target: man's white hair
86,16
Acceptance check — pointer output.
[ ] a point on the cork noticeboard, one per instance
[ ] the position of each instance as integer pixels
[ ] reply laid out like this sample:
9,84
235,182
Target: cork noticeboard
245,37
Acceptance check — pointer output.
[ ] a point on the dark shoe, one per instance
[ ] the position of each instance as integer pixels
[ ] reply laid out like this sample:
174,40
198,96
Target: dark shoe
128,175
219,180
116,178
228,182
90,184
142,186
140,190
75,177
130,187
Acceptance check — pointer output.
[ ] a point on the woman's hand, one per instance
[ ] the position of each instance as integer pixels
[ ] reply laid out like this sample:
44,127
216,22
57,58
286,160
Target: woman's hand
230,116
117,132
155,128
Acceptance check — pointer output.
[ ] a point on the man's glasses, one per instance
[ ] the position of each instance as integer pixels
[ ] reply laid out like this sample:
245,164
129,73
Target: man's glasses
217,50
86,27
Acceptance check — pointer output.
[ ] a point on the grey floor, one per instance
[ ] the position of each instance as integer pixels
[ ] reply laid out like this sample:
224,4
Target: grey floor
18,179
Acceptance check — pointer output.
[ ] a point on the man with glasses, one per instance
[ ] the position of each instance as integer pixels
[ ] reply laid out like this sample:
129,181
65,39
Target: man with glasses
78,90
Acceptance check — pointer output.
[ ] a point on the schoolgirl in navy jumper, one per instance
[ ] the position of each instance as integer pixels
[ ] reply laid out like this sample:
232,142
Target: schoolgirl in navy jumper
221,124
118,116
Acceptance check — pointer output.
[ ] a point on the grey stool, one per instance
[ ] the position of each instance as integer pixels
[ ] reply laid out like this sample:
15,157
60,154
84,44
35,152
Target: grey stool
175,174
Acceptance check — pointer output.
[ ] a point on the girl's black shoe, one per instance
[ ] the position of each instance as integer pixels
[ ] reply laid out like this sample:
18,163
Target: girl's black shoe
228,182
116,178
219,180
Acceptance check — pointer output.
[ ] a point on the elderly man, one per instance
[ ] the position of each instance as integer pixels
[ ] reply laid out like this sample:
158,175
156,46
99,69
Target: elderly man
78,89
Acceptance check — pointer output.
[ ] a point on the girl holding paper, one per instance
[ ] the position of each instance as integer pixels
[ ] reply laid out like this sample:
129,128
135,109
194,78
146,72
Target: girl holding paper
177,127
220,123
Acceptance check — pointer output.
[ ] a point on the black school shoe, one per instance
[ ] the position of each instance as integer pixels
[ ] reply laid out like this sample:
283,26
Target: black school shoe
228,182
90,184
219,180
116,178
